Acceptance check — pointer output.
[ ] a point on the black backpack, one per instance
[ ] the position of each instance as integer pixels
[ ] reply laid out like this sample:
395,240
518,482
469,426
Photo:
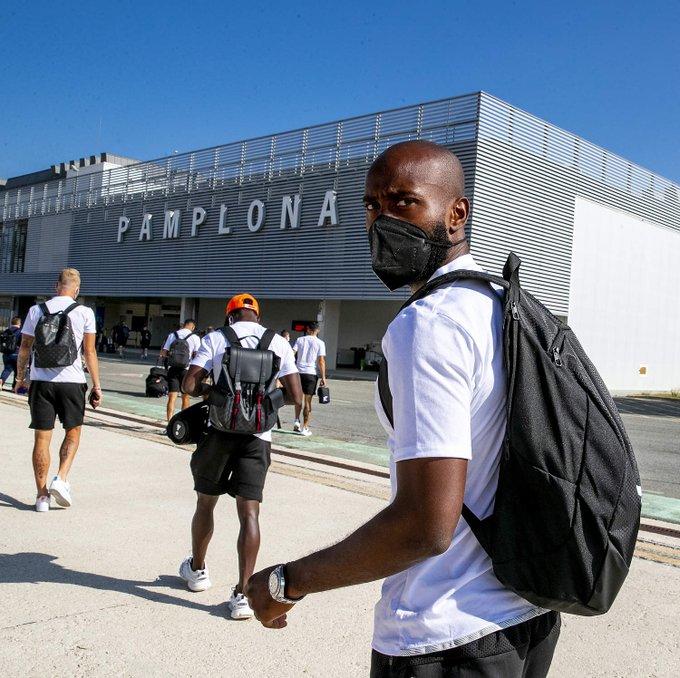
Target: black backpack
179,354
9,342
567,508
55,343
245,399
156,385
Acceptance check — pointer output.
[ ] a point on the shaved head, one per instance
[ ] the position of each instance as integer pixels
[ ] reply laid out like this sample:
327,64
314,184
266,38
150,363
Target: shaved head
433,162
421,183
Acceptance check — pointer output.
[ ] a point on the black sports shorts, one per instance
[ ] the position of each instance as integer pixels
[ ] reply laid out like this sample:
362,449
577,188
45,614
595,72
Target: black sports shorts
227,463
308,382
521,651
175,376
51,399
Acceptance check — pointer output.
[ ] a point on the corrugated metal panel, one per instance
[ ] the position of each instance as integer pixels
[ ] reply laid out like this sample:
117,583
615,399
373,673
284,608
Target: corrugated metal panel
528,174
314,262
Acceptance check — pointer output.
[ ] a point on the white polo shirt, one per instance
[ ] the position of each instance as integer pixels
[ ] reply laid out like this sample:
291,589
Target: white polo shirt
82,322
447,379
308,350
194,340
214,346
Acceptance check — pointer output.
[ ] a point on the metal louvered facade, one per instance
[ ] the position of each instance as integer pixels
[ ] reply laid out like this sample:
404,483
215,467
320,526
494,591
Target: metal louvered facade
523,176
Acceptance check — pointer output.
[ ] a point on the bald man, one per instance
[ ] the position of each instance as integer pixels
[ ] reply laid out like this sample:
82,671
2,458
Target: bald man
442,611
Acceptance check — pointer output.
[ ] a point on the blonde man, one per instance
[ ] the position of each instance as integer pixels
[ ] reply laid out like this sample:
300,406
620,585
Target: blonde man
58,384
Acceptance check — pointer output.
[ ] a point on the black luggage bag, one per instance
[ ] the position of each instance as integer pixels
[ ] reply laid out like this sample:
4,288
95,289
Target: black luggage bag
157,382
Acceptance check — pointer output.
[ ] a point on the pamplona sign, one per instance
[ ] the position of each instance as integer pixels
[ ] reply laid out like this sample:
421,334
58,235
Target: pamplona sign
291,208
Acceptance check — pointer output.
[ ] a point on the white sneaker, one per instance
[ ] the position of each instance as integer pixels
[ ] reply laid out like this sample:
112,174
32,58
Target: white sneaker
305,432
197,580
42,504
238,604
61,491
296,426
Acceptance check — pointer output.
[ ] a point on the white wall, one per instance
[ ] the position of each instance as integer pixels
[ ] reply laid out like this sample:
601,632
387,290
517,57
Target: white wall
624,301
363,322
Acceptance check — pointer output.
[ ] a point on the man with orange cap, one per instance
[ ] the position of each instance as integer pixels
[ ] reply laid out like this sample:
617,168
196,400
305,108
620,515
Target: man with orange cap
232,463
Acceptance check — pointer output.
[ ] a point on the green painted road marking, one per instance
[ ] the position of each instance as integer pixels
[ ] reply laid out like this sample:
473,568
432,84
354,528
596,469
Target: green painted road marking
660,508
334,448
654,505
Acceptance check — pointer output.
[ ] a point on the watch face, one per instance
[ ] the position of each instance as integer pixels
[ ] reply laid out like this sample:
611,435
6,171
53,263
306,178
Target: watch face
274,583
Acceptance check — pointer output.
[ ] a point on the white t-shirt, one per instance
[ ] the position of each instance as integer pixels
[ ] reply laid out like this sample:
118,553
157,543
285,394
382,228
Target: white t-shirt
308,350
446,375
82,322
214,345
194,340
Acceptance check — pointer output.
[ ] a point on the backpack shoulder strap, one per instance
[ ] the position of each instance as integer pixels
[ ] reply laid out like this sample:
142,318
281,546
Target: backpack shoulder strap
176,335
230,335
43,308
68,309
266,340
384,391
454,276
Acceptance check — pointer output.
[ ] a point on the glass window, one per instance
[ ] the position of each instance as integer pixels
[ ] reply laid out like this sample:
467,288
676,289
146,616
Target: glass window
13,246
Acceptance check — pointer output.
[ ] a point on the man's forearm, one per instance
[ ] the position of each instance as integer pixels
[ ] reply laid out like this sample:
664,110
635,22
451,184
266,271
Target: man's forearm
22,363
388,543
92,363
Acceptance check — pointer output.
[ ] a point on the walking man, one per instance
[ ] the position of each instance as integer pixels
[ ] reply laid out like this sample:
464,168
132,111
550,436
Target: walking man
234,464
178,350
58,384
9,344
145,341
121,334
310,355
442,611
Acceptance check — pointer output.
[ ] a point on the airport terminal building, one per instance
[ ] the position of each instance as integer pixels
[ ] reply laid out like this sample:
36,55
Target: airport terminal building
281,217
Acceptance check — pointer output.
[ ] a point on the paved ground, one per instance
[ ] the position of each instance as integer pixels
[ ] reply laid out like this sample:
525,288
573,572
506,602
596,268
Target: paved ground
349,428
93,591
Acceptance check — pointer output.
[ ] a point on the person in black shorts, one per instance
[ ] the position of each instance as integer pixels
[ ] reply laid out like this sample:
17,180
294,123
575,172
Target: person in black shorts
58,391
233,464
176,372
145,341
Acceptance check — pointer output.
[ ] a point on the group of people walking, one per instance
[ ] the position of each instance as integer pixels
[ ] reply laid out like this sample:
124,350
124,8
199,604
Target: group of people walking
442,612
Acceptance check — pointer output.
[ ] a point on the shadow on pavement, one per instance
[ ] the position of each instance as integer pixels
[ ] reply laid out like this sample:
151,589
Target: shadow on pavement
10,502
36,568
653,407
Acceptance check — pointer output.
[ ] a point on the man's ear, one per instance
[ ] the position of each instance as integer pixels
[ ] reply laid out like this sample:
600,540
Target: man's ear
458,214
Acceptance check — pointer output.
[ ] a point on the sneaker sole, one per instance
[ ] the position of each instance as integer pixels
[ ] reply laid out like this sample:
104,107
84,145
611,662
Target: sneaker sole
60,498
239,616
42,510
197,588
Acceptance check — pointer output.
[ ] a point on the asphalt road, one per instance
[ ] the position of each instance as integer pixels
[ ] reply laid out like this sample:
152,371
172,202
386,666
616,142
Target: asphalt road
349,427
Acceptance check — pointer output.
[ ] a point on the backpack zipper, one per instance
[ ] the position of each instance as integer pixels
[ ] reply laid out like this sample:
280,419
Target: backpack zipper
514,310
556,357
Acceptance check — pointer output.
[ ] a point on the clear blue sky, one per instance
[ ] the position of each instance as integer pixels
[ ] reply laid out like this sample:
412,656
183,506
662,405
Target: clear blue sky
146,78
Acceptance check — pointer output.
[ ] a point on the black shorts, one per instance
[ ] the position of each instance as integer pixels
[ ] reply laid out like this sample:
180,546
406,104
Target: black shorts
308,382
225,463
522,650
175,376
50,399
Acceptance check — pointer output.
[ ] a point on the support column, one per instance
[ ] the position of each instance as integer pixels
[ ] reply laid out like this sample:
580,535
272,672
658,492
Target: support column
188,308
329,321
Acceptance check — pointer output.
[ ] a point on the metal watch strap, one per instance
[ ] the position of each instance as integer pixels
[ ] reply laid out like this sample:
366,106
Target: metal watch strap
280,595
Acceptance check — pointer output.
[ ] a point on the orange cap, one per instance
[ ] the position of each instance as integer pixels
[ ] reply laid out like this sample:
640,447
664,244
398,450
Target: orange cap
243,301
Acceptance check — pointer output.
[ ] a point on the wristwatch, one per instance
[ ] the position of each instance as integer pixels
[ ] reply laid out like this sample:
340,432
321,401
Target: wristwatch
277,586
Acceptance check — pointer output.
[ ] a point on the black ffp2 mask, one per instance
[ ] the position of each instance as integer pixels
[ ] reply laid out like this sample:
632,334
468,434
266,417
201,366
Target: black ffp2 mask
402,253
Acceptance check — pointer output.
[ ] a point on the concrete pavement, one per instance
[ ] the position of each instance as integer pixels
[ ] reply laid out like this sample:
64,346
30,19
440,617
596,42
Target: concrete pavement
93,590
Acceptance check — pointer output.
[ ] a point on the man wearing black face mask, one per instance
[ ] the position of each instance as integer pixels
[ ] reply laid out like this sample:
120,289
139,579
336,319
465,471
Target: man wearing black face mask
442,609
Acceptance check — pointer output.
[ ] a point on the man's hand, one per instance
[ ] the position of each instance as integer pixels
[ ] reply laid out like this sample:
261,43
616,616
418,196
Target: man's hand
268,611
323,381
95,397
18,385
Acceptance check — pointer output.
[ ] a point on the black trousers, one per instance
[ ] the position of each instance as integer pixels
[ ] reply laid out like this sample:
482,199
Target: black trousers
521,651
